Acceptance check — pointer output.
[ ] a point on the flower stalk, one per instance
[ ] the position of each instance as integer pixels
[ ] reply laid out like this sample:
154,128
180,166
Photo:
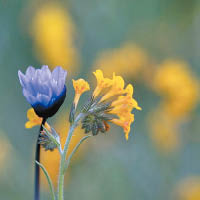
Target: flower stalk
37,168
63,157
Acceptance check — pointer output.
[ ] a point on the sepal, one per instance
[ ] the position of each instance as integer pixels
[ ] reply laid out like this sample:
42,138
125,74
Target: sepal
49,139
72,113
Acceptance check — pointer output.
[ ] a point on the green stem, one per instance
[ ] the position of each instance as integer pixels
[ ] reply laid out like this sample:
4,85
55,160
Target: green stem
74,150
48,179
63,157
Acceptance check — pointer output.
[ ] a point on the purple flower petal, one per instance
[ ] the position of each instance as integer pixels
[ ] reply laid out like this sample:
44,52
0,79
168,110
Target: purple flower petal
31,99
22,78
30,72
43,99
59,77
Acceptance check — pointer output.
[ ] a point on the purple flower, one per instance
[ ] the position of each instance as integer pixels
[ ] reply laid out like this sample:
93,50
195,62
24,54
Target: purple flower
43,89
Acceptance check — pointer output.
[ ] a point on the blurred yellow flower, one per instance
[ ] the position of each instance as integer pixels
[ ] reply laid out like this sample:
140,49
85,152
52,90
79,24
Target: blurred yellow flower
188,189
123,102
53,33
128,60
34,120
51,159
80,86
164,131
178,87
6,152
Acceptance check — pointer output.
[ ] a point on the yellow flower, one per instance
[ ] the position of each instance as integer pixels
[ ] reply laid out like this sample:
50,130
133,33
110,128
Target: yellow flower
178,87
125,122
53,33
34,120
128,60
101,82
117,87
164,131
188,189
80,86
7,153
126,100
123,102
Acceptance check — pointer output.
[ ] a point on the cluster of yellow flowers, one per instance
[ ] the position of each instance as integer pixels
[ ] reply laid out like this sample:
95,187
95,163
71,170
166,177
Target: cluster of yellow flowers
53,33
122,106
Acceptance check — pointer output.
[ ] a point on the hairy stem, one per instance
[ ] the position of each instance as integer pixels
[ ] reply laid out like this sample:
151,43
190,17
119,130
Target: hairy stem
63,157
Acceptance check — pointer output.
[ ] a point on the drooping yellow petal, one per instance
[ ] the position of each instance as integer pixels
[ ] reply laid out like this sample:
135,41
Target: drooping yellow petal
31,114
34,120
125,123
30,124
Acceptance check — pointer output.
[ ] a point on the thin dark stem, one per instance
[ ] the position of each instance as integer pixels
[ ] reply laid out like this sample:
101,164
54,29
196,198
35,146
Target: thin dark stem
37,168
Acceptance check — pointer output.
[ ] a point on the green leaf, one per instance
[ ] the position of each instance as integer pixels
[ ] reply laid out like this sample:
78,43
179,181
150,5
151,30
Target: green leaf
74,150
48,179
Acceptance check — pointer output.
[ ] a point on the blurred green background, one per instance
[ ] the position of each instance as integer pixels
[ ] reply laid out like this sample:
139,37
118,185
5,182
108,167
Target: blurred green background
155,45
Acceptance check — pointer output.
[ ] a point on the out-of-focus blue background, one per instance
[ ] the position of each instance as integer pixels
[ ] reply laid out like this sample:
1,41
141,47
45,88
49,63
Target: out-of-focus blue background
155,45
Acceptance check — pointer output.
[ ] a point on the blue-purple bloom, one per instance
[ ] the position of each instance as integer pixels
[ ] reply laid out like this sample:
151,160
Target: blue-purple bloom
43,89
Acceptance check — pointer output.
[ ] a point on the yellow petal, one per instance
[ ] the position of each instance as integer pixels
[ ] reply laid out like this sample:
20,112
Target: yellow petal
99,75
126,135
34,120
125,122
102,82
31,114
30,124
129,90
80,86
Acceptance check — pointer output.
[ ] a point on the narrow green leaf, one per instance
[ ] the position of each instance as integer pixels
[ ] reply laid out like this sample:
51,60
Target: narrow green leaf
48,179
74,150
